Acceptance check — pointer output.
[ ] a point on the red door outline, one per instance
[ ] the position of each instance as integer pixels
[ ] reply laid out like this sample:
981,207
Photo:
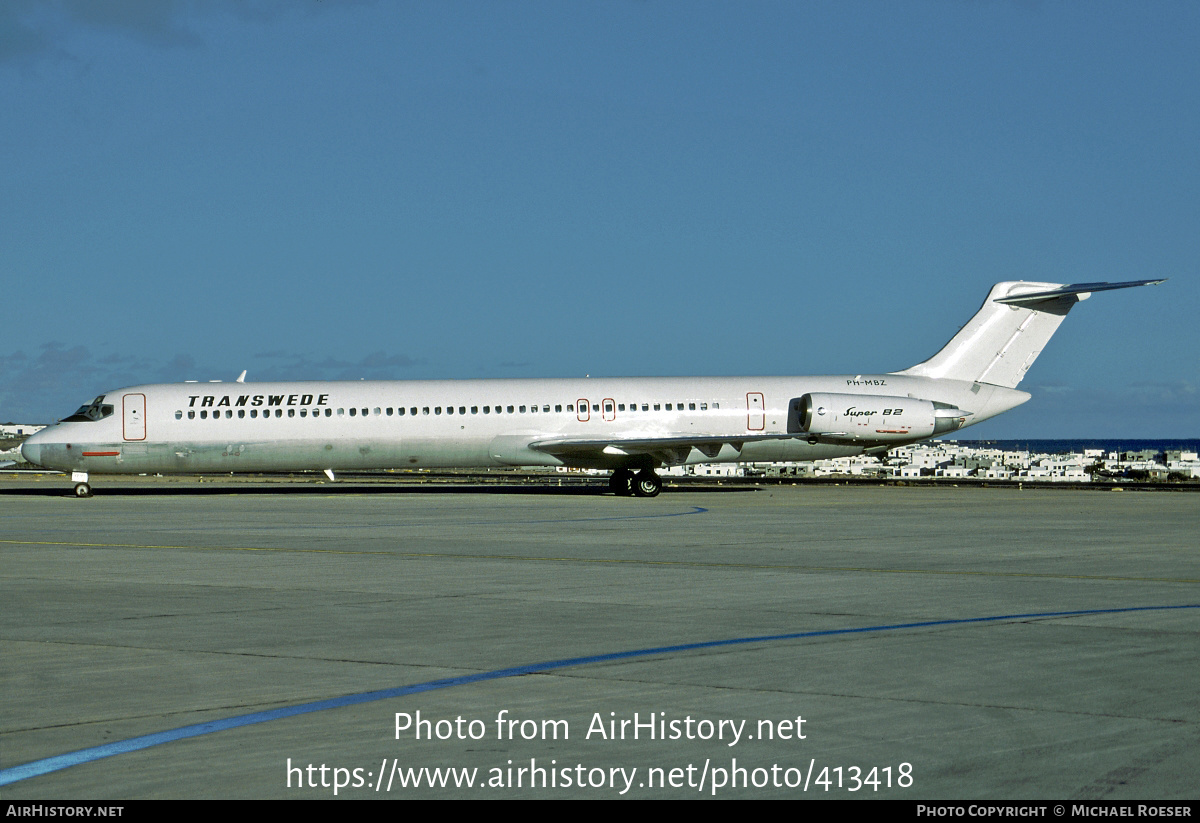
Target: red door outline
133,414
583,412
756,411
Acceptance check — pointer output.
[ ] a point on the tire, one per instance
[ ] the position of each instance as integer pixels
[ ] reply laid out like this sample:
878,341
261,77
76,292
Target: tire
647,484
621,483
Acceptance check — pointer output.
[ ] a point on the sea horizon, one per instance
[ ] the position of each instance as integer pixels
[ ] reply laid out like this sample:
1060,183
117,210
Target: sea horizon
1069,445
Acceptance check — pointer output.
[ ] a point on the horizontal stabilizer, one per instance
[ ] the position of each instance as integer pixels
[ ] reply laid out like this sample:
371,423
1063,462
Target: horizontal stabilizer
1079,289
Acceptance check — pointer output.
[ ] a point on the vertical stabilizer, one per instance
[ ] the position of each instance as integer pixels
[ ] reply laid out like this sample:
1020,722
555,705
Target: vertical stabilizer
1000,343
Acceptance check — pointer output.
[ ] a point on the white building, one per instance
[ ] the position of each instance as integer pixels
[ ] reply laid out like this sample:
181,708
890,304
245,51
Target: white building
19,429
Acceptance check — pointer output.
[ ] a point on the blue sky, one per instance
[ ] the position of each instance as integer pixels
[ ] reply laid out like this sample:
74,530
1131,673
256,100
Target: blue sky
343,190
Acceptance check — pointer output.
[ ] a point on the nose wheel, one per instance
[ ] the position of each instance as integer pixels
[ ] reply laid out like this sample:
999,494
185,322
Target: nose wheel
83,490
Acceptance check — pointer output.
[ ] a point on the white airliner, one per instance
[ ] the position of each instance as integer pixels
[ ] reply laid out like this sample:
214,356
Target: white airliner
630,426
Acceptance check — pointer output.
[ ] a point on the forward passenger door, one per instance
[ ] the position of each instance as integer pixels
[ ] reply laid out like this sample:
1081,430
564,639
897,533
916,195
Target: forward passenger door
134,416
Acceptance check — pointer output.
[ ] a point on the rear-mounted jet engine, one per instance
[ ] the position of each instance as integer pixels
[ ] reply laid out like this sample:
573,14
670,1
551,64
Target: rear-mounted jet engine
857,418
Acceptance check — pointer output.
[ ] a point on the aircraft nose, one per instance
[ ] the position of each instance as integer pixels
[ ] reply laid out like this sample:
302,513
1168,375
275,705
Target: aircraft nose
31,450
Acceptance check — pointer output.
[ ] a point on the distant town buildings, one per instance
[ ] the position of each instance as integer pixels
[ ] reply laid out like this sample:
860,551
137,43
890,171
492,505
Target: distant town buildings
950,460
19,429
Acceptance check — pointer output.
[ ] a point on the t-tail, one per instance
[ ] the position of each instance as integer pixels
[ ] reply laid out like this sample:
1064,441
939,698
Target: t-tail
999,344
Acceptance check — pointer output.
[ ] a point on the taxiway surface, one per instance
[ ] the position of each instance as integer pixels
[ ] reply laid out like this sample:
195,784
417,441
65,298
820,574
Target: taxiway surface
1058,660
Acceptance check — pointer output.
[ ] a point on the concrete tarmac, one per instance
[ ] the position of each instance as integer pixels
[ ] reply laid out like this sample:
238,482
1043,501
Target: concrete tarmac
1054,661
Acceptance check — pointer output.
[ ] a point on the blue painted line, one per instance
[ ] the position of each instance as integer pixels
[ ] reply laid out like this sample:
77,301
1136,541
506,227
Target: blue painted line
64,761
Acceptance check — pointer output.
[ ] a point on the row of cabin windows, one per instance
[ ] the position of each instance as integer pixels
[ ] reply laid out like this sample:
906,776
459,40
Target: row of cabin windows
609,408
266,413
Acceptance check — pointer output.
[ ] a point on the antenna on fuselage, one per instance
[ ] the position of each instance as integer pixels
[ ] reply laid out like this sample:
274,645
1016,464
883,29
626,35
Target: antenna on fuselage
241,377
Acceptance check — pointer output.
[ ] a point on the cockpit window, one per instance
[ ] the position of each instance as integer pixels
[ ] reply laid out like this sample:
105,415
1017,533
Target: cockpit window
98,410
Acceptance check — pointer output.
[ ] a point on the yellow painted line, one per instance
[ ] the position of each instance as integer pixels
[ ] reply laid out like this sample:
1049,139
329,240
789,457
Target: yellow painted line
184,548
618,561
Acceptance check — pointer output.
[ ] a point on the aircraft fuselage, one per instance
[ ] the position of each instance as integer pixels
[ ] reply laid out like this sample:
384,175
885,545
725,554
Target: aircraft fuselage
630,426
232,427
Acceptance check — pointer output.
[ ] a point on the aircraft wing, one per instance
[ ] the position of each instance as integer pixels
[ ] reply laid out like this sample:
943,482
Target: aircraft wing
670,449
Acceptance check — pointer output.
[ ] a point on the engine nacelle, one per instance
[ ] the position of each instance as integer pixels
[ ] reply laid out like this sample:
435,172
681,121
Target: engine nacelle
873,418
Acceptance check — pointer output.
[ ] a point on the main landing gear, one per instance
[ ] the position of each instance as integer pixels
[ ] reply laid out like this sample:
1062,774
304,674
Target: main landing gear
624,483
